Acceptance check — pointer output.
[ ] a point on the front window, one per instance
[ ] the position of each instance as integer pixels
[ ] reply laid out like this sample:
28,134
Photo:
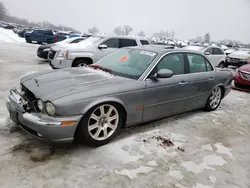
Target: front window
129,63
174,62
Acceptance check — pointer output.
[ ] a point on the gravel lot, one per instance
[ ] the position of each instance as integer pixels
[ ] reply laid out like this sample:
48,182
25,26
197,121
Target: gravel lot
209,150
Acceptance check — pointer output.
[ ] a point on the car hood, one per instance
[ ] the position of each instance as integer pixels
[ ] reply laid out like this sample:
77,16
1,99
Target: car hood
240,54
42,47
245,68
52,85
73,47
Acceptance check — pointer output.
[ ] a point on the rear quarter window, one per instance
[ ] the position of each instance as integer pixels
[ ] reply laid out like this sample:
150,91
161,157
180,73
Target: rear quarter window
144,42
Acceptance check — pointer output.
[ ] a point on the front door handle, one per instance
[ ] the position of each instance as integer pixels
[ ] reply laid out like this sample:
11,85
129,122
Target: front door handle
182,82
211,78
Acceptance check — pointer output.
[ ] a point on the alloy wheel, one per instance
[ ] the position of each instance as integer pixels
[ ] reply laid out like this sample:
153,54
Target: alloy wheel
103,122
215,98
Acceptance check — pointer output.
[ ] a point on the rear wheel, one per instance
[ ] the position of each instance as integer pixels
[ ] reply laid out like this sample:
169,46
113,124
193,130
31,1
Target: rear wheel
100,124
221,65
214,99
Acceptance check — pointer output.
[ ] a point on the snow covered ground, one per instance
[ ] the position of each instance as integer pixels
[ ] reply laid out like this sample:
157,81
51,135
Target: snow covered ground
194,150
9,36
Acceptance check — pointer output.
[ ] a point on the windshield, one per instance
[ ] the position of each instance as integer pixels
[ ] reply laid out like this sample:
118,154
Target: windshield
129,63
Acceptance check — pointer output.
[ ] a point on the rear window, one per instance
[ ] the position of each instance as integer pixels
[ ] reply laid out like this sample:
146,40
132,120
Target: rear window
144,42
217,51
127,43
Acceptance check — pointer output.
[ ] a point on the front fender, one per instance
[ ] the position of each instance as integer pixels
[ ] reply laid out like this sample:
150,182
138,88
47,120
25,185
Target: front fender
93,103
74,55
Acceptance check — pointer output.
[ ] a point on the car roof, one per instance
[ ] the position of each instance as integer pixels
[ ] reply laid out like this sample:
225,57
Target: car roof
161,50
126,37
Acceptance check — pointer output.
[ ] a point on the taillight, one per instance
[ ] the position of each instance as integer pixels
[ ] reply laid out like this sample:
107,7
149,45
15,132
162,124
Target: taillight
248,61
56,38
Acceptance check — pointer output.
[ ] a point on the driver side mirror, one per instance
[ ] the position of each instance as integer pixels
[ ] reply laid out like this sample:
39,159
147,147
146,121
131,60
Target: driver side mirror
163,73
102,46
207,53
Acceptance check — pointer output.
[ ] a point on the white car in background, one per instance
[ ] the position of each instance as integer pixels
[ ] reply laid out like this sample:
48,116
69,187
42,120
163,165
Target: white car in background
215,54
239,57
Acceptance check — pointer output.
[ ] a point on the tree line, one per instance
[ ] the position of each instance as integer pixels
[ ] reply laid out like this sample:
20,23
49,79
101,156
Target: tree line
4,16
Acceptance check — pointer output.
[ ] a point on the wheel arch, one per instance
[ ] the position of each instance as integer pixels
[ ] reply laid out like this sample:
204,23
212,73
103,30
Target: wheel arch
88,59
106,100
222,88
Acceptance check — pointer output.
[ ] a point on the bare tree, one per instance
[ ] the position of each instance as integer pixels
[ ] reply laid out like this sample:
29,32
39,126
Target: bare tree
207,38
141,34
94,30
127,29
3,11
119,31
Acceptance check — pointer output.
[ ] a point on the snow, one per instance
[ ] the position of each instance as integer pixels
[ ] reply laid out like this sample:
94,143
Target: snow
134,172
10,37
224,150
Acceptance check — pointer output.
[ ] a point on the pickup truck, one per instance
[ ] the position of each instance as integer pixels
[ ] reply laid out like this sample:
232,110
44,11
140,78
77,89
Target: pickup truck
41,36
90,50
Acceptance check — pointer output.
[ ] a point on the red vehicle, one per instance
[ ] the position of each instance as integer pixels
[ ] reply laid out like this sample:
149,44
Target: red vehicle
242,78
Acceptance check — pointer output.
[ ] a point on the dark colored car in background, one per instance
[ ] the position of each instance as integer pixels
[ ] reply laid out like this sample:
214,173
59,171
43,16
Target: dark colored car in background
22,32
242,78
43,50
41,36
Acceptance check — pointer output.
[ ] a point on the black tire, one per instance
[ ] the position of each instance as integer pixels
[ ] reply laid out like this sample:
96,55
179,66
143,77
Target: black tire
209,106
83,136
221,65
80,63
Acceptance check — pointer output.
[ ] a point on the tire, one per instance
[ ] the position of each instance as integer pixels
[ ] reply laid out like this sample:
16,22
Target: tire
221,65
97,127
80,63
216,97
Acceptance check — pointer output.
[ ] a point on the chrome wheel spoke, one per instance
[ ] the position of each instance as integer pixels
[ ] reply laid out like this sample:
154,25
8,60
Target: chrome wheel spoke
94,126
97,133
102,110
111,126
95,117
110,111
112,118
105,132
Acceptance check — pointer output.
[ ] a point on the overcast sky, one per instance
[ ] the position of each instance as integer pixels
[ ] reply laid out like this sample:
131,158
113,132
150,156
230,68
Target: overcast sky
224,19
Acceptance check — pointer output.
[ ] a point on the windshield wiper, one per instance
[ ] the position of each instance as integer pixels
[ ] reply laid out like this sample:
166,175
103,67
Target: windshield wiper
101,68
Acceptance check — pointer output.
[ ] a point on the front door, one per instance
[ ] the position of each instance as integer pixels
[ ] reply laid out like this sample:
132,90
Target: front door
112,45
201,79
166,96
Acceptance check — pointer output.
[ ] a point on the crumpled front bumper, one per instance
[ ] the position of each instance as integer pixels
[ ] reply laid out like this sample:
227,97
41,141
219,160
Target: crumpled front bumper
42,126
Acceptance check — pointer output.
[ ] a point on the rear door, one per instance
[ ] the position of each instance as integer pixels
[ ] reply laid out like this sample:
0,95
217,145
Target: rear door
201,79
166,96
219,56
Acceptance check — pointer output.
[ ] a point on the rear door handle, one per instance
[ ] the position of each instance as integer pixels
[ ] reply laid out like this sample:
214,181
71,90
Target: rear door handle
211,78
182,82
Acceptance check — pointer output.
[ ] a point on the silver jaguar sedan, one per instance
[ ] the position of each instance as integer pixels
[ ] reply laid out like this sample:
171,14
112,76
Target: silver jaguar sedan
127,87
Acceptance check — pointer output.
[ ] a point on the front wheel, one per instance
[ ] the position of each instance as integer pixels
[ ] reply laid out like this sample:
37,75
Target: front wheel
100,124
214,99
80,63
